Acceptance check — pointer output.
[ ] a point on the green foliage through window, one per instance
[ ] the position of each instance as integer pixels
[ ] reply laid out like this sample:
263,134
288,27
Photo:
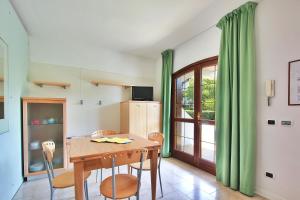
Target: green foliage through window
208,98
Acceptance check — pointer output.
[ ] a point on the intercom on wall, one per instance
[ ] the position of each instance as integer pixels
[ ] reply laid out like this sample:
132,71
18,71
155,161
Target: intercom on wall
270,90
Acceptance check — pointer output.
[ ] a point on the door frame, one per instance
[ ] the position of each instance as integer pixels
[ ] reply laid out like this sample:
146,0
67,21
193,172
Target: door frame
191,159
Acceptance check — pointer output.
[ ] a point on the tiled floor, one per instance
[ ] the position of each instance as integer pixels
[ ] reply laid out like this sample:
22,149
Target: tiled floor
180,182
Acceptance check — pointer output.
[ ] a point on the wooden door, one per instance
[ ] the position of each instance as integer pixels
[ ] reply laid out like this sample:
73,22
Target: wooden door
193,114
138,118
153,117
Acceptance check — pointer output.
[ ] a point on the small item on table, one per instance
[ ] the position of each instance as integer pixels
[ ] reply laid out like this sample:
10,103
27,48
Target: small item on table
113,140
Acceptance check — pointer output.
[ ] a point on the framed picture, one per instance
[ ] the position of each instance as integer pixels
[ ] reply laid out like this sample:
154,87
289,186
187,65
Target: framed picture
294,83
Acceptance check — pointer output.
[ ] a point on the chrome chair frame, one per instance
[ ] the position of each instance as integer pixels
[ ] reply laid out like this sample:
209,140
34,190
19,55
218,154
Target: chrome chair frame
50,173
139,175
159,175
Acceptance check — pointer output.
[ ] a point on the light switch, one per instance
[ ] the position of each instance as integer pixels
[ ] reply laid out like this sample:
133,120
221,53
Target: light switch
286,123
271,122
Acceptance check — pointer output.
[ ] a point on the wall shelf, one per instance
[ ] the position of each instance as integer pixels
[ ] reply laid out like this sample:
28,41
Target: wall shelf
55,84
112,83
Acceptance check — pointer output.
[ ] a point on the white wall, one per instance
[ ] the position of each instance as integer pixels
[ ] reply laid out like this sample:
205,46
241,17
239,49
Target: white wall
278,151
14,34
61,61
158,75
278,42
89,56
204,46
86,118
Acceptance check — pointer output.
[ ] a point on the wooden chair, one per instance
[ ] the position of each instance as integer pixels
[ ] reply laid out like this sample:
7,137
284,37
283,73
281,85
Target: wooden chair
61,181
101,133
122,186
157,137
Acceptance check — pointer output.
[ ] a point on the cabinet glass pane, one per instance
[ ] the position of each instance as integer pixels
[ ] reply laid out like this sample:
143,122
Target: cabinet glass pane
45,122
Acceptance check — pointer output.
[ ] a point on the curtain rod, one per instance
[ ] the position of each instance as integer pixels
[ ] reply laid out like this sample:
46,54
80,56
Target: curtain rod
203,31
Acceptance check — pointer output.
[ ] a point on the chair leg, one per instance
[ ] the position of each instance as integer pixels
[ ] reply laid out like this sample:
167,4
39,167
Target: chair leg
52,194
101,174
97,176
86,190
128,169
161,190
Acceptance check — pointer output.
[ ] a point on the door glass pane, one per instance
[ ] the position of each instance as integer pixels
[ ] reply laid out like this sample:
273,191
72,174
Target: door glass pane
208,88
208,142
208,151
185,96
184,137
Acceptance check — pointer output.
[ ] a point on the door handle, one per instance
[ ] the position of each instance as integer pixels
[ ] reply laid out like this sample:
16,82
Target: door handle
198,116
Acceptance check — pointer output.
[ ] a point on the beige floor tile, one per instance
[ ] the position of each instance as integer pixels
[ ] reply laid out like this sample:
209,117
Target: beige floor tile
180,181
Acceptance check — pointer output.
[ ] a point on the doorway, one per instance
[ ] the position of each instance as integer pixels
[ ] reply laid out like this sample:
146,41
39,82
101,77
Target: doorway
193,114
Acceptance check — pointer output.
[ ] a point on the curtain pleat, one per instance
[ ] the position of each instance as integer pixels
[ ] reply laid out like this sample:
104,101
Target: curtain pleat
236,101
167,70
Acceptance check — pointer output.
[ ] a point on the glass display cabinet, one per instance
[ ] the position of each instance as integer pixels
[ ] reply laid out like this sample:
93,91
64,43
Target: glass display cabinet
43,119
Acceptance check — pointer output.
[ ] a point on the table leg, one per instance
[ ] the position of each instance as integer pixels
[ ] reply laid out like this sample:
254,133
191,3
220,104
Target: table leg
153,162
128,169
79,180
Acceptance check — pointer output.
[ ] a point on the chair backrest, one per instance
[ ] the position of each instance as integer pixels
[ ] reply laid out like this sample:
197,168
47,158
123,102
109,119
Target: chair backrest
48,151
124,158
104,133
159,138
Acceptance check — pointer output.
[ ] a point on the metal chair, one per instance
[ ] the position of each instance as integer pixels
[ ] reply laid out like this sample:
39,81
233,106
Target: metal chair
122,186
157,137
61,181
101,133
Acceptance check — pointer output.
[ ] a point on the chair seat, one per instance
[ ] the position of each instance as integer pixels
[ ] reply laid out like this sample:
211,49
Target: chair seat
146,165
67,179
126,186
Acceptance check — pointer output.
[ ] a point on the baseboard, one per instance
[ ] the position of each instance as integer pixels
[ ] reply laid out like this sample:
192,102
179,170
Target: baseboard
269,195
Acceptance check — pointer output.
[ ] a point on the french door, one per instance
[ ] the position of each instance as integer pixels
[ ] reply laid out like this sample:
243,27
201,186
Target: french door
193,114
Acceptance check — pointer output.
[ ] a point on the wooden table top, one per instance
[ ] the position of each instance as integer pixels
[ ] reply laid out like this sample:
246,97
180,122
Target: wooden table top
84,149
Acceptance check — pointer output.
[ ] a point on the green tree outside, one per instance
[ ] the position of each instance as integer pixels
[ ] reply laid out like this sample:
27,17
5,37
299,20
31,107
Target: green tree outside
208,98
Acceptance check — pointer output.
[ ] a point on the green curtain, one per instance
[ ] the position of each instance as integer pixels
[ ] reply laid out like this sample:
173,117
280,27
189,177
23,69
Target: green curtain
236,101
166,82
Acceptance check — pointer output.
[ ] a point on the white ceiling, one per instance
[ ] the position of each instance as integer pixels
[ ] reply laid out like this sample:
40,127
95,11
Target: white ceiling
139,27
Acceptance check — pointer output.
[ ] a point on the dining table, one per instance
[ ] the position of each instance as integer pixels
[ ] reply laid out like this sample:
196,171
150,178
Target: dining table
85,154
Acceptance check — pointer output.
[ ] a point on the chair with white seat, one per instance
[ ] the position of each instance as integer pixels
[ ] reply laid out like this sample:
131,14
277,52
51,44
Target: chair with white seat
63,180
